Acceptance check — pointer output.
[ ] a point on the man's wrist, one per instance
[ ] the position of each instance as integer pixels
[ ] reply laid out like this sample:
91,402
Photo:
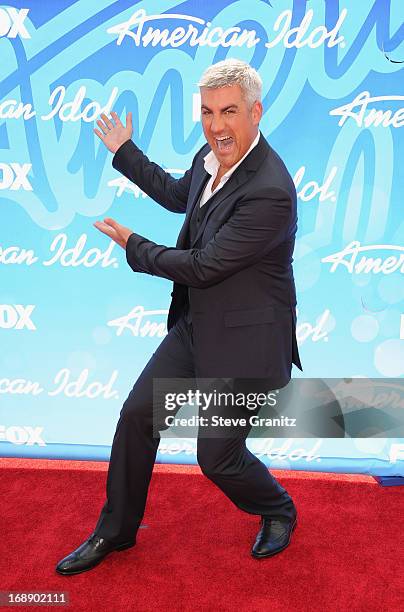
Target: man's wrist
120,146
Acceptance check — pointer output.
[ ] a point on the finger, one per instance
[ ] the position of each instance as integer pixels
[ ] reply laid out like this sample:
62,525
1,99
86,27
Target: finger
116,119
103,127
112,223
110,232
104,228
120,230
129,121
99,134
115,227
107,121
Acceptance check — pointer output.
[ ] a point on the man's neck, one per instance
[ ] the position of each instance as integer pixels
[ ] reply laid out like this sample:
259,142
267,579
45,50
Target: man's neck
219,175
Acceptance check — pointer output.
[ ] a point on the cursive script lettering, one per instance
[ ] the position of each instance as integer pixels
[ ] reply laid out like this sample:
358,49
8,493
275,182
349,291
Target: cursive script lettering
16,255
349,258
312,189
19,386
211,37
124,184
69,111
201,33
11,109
316,332
80,386
71,257
294,37
134,322
285,451
368,117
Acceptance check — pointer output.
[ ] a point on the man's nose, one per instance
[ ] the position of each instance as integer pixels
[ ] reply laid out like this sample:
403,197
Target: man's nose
217,124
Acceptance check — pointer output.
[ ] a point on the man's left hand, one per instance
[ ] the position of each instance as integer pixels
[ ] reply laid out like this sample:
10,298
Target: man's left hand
114,230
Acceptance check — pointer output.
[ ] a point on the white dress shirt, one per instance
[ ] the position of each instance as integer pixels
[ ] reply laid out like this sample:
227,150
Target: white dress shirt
212,166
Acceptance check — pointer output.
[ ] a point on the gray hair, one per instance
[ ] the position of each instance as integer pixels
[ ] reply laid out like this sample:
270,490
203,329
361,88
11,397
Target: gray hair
232,72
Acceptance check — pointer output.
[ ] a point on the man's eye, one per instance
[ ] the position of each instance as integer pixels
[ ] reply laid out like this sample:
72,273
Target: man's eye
205,112
229,112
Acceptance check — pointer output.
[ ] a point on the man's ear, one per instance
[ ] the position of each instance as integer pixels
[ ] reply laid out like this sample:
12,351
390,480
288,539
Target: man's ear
257,111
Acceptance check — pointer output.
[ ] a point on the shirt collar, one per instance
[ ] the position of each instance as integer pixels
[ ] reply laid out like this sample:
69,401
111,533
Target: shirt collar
212,165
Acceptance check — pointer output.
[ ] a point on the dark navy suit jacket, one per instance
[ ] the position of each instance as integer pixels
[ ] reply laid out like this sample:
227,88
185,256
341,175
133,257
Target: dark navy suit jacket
240,278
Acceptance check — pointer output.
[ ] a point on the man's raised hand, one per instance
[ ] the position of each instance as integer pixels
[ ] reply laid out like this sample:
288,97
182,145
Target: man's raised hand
117,232
113,133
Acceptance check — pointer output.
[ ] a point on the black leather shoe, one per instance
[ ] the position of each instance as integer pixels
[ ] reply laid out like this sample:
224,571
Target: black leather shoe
273,537
88,555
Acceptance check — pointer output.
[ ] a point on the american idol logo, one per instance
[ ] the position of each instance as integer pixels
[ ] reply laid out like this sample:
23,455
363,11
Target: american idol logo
65,383
60,113
195,31
151,323
142,323
63,253
362,111
65,110
385,259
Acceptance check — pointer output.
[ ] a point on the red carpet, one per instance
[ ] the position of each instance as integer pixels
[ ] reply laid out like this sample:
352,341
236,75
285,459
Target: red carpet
346,553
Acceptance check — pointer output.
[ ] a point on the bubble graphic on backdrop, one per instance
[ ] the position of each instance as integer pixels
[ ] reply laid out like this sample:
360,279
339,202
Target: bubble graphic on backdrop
360,280
389,322
101,336
364,328
389,358
81,360
390,290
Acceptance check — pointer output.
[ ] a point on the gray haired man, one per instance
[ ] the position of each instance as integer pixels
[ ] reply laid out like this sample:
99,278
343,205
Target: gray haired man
232,313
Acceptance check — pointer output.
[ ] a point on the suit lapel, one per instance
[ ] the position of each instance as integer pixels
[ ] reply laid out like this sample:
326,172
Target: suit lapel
194,196
235,181
250,164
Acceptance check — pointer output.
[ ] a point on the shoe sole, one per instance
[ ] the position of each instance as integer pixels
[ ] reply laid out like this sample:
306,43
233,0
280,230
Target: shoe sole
72,573
271,554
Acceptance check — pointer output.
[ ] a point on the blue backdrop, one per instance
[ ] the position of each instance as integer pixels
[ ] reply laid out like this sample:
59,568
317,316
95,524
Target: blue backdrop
76,324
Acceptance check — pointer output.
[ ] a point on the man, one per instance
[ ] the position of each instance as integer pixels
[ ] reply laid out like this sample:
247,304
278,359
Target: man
233,307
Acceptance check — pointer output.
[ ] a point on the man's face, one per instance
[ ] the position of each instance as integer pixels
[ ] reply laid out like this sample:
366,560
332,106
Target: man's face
228,124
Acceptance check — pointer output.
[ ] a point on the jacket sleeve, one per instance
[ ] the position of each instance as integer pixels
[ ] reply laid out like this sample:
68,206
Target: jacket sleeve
171,193
256,227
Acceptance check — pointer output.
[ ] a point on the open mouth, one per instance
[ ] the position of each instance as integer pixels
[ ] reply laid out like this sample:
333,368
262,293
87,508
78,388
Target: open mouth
224,143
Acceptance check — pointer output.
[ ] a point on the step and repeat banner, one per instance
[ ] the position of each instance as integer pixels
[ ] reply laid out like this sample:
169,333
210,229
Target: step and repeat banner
76,324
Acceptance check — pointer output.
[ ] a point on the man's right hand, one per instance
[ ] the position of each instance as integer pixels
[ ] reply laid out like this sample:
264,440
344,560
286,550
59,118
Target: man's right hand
114,133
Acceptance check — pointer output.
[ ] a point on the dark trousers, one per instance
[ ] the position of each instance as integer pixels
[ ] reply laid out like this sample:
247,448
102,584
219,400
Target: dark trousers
225,461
